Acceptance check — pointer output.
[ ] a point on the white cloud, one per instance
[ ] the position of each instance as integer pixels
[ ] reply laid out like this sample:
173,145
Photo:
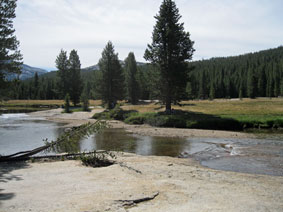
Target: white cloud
218,27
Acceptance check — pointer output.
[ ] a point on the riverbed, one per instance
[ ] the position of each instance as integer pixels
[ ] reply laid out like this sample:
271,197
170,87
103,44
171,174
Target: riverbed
21,132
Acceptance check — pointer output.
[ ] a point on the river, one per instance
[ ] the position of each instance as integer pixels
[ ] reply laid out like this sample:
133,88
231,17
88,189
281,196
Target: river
20,132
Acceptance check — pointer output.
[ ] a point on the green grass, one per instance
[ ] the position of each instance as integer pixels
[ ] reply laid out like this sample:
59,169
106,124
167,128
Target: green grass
262,113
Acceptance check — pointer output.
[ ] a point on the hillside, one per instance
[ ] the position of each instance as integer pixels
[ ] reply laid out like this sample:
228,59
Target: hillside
86,72
27,72
250,75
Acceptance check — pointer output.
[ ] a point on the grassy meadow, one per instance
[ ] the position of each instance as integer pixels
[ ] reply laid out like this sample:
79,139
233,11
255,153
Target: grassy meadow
231,114
221,114
22,106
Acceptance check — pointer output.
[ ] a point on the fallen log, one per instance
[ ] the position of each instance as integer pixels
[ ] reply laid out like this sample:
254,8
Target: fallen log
26,155
128,203
130,168
68,155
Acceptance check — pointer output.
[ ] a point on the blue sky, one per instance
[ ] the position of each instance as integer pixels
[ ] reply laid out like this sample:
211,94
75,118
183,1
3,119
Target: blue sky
218,27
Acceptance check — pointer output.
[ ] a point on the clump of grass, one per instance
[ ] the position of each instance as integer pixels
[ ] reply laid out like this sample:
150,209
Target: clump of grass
116,113
98,160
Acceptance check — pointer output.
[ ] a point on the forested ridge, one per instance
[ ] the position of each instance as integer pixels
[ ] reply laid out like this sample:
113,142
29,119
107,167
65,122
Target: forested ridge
251,75
257,74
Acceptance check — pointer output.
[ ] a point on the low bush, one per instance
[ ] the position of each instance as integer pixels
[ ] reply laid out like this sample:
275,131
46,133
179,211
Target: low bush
97,160
135,119
116,113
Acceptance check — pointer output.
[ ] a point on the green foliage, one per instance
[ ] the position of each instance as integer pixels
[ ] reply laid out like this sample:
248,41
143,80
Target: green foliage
69,141
98,159
111,87
63,73
75,77
10,56
251,84
116,113
69,75
251,75
85,101
170,49
182,119
67,104
212,92
132,86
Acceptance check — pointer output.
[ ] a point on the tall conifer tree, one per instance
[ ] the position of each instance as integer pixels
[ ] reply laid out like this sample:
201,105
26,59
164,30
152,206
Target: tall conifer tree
170,49
131,78
62,65
111,87
35,86
251,84
75,77
10,56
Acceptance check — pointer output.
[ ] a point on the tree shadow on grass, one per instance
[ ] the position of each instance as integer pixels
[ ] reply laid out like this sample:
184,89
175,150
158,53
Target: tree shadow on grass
187,119
6,175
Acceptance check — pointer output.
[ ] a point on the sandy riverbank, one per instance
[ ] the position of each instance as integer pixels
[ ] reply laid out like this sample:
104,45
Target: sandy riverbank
181,184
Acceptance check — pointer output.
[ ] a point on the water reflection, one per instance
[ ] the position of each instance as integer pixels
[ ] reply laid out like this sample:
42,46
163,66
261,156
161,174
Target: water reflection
20,132
120,140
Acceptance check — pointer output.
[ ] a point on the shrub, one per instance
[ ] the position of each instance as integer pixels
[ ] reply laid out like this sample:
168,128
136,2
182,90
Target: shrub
97,160
85,102
116,113
67,104
135,119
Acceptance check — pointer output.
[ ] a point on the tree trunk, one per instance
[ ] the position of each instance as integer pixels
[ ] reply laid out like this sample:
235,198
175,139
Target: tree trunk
168,104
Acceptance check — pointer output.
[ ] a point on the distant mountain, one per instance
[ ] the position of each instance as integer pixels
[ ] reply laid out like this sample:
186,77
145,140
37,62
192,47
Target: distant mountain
27,72
91,68
96,67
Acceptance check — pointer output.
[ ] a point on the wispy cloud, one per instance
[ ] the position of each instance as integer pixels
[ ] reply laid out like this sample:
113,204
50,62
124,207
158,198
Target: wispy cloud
218,27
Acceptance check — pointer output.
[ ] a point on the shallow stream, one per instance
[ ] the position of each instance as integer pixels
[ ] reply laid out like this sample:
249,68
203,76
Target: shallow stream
19,132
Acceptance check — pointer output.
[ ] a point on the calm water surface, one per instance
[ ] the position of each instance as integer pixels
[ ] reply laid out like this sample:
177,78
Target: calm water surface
20,132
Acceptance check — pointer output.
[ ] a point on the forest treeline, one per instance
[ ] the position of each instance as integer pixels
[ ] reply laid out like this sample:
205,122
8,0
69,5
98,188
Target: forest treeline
251,75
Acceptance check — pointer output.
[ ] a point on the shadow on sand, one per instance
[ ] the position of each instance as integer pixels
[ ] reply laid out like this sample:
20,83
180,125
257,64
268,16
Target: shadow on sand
6,175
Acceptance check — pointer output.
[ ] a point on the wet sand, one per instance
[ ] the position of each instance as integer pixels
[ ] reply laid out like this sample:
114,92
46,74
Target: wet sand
182,184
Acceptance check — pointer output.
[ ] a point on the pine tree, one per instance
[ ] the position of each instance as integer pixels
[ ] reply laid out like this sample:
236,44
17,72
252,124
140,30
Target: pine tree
75,81
189,90
170,49
212,91
262,83
67,104
111,87
10,56
62,65
281,87
201,93
251,84
131,78
35,86
85,100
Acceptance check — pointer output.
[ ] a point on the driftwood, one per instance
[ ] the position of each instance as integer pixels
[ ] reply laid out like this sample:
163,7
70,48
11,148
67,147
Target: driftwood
128,203
68,155
26,155
130,168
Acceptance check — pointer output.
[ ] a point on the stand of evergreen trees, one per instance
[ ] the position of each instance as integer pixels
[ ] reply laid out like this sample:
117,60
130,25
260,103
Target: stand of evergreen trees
251,75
